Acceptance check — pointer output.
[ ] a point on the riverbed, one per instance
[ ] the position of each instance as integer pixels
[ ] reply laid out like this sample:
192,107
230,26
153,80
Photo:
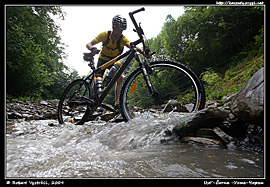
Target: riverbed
140,148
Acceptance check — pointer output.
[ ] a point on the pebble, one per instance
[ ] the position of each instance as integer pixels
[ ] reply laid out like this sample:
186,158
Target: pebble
36,110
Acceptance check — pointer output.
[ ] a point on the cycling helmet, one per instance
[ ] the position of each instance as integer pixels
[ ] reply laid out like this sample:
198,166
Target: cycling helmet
119,22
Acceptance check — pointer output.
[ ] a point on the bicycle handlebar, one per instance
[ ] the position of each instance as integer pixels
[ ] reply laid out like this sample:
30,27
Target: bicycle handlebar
138,29
136,11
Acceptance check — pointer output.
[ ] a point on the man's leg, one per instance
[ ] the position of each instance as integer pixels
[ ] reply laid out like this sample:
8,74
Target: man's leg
118,87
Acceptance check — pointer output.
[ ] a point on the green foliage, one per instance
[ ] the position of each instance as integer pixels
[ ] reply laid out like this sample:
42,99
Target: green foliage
212,82
260,39
34,52
235,78
211,78
24,99
222,44
207,37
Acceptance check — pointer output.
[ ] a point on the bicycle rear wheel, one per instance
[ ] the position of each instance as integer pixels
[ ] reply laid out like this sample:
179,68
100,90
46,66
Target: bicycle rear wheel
72,107
171,81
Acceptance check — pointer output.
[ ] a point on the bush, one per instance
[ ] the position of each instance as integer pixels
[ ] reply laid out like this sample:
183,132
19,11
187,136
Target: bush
212,82
235,78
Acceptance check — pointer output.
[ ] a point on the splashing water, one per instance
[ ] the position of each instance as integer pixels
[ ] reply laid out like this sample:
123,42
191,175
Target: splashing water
138,148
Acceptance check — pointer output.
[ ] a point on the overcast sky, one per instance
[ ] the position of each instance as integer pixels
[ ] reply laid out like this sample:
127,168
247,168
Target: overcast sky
84,23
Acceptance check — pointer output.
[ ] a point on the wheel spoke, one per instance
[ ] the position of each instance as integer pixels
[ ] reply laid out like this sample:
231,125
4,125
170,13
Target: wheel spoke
73,103
170,81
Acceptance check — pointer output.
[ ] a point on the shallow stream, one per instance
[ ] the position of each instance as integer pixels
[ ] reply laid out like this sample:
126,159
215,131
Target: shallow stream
139,148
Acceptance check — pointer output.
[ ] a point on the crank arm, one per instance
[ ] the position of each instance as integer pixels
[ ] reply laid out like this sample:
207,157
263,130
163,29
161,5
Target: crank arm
77,103
107,107
88,102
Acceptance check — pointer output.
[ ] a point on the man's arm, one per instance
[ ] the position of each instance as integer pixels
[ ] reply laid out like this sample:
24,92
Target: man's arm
139,49
90,45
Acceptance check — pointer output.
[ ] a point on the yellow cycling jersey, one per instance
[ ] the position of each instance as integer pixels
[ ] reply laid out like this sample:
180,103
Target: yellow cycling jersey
110,50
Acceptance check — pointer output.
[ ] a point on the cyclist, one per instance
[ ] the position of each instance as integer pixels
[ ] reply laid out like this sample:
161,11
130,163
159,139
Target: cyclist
113,44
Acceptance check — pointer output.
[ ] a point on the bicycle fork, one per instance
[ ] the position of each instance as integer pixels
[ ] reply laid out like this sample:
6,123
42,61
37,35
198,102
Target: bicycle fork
146,71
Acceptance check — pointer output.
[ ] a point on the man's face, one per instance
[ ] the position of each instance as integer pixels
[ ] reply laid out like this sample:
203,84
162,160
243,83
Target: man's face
116,33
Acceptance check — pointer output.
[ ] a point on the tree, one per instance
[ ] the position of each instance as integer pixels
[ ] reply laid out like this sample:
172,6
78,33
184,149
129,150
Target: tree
206,37
34,51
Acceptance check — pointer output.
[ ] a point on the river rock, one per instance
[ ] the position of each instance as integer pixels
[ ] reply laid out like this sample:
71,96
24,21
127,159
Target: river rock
14,115
44,103
107,116
211,103
201,140
227,101
175,106
225,137
206,118
35,110
50,115
248,103
206,133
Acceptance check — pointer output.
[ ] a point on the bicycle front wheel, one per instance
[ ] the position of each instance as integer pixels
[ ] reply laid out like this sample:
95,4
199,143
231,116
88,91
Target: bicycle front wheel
171,81
72,107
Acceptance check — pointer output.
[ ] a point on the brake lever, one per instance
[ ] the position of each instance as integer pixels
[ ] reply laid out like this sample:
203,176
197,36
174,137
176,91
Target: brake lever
154,52
141,30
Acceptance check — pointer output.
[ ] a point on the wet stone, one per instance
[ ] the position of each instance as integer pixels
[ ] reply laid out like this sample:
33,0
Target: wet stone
175,106
206,132
201,140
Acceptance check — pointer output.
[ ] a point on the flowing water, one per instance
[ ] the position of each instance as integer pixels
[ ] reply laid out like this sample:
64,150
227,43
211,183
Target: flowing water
139,148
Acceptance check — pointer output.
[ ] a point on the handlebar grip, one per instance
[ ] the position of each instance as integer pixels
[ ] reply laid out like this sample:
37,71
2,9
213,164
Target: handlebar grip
136,11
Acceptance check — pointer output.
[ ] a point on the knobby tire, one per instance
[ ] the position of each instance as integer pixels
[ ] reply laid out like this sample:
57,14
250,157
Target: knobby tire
129,87
61,106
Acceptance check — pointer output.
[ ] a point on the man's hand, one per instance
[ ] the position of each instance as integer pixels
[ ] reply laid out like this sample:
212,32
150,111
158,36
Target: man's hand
94,51
147,53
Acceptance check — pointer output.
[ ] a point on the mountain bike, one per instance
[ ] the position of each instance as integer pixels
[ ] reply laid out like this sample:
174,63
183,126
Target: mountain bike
146,90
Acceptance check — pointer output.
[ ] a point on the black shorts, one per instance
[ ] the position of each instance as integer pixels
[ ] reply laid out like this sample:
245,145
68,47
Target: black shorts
100,63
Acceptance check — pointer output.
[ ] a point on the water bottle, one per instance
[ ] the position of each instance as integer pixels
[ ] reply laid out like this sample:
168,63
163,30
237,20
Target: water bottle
113,70
99,85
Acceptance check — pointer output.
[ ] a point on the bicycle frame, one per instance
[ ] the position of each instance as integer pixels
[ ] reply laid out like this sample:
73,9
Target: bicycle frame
131,55
89,97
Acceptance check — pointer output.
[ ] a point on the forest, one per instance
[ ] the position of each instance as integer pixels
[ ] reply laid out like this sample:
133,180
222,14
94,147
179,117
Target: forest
34,53
223,45
207,37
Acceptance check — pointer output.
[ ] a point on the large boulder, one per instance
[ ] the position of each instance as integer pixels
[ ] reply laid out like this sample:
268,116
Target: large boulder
248,104
206,118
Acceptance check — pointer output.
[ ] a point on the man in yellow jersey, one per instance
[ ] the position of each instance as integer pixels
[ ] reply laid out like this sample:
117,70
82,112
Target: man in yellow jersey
113,44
